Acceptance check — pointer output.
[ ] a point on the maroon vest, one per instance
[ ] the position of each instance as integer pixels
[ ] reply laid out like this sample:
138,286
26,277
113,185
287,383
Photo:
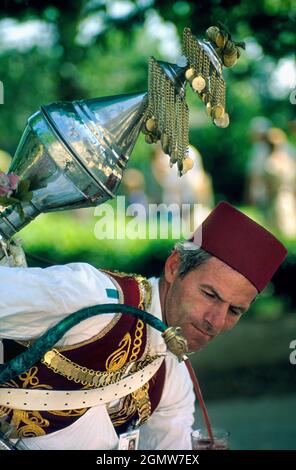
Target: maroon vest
122,341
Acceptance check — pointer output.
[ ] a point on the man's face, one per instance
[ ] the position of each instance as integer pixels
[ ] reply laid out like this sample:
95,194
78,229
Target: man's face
206,302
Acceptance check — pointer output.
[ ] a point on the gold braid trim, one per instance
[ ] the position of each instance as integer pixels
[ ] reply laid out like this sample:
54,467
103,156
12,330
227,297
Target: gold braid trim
116,360
137,341
116,363
123,412
143,404
30,423
139,400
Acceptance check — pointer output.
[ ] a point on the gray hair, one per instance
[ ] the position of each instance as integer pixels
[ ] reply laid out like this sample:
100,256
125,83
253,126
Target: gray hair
191,256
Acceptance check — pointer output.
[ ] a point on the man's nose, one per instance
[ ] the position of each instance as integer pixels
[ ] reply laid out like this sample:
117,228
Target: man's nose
214,319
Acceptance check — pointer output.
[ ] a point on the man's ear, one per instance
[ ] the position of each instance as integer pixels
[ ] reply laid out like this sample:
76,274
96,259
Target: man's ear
171,267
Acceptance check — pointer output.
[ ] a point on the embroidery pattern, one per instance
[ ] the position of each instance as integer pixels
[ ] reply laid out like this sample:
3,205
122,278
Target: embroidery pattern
25,423
33,424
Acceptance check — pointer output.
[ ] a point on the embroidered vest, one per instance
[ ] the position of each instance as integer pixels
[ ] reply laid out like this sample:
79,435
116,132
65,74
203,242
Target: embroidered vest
124,340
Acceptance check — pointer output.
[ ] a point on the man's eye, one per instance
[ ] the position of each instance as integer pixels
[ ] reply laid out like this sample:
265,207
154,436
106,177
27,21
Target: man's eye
237,313
209,294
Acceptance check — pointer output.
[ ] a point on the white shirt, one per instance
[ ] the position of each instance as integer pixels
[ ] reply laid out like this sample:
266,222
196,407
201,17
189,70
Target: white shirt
34,299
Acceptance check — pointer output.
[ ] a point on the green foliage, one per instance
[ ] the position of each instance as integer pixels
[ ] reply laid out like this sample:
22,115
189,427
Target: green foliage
114,60
65,237
269,307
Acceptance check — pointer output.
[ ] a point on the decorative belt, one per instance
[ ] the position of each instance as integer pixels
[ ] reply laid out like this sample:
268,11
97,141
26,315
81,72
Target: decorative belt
41,400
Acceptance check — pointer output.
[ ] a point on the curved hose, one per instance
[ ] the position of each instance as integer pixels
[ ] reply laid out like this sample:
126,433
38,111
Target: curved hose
34,353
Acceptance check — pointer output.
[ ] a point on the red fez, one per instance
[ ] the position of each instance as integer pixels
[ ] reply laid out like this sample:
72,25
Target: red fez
238,241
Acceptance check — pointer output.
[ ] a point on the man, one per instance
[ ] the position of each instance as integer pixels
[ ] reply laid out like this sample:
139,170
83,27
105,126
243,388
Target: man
206,286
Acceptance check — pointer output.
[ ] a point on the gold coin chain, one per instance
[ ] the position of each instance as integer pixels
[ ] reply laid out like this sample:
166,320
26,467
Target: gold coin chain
61,365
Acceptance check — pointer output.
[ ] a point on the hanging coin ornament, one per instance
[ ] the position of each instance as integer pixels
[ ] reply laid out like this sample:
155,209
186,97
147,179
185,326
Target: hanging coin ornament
190,74
198,83
188,164
225,46
167,117
167,111
151,124
203,59
217,111
230,61
221,39
212,32
223,121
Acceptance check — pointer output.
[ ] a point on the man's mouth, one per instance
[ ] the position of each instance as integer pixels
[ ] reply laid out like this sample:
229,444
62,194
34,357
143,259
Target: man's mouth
197,338
207,335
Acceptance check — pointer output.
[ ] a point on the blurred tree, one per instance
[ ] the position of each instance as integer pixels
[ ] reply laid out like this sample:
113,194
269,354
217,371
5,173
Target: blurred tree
96,47
272,21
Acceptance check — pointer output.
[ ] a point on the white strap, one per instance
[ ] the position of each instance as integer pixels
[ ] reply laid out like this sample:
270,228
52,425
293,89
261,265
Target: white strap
32,399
